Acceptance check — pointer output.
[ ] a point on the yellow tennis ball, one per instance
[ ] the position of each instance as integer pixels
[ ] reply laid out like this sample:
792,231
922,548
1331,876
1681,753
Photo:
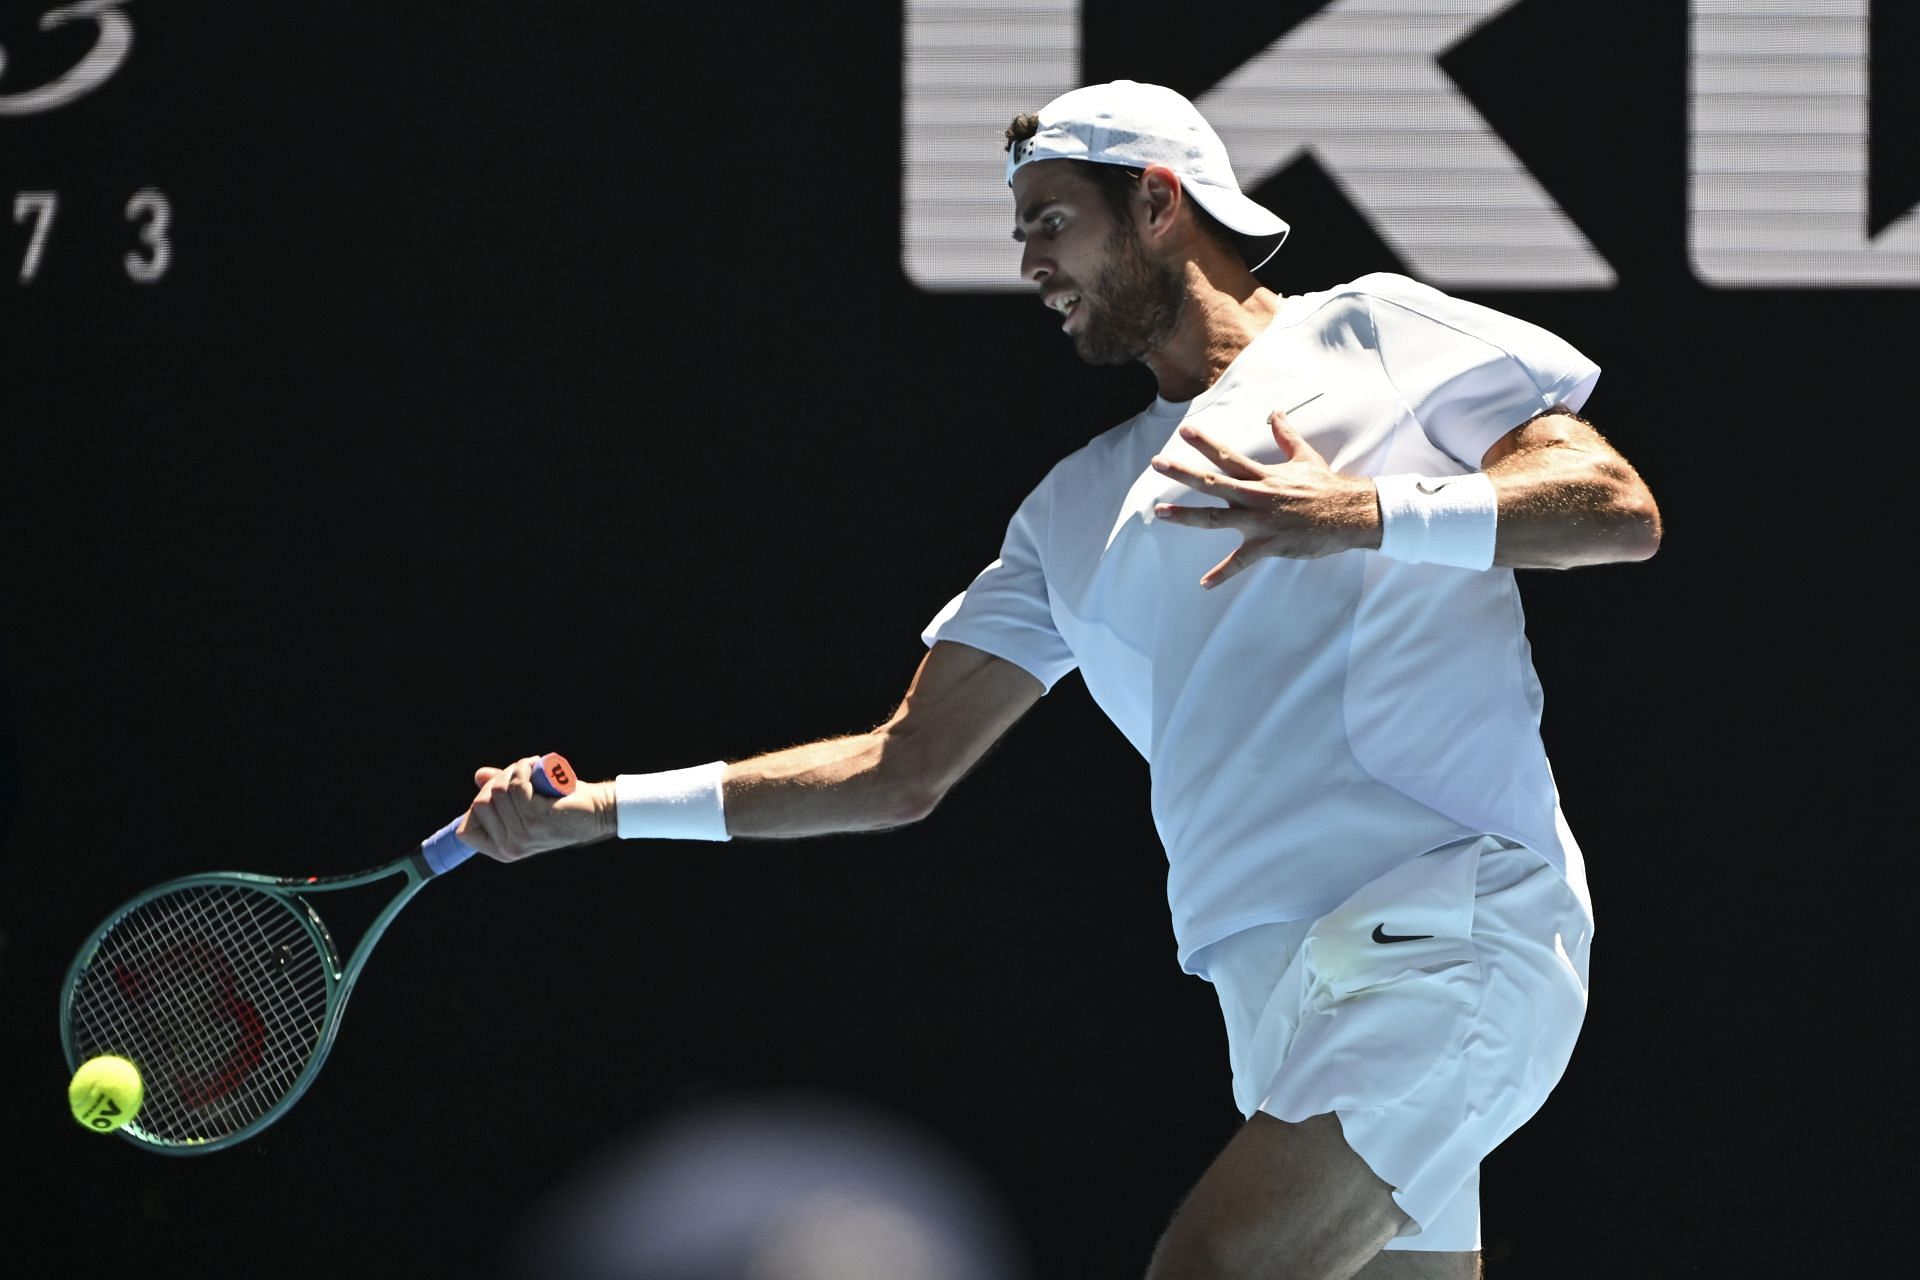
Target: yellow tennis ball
105,1093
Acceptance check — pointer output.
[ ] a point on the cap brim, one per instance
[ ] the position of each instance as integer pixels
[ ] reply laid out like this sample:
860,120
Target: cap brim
1261,230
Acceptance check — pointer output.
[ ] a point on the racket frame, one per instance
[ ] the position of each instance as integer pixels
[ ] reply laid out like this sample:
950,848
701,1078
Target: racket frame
340,978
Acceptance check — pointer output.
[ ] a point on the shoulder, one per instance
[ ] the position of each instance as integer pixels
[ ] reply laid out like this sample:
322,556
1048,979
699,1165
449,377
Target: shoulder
1385,286
1344,313
1401,310
1350,303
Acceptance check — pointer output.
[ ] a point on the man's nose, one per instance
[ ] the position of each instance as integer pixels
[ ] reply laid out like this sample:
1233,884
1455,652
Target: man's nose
1035,265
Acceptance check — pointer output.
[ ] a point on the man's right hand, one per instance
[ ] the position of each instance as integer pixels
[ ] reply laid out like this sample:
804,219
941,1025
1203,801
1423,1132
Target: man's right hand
509,820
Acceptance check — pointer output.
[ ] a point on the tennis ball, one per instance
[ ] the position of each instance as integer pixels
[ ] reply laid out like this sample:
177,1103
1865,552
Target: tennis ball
105,1093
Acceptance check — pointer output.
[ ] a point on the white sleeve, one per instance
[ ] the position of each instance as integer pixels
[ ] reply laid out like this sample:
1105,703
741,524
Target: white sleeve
1468,373
1005,611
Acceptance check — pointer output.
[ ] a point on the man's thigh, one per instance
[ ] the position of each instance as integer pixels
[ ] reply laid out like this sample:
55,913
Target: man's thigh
1293,1194
1414,1264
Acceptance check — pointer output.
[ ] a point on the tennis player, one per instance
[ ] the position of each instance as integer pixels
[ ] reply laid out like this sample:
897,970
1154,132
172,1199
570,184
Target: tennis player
1289,581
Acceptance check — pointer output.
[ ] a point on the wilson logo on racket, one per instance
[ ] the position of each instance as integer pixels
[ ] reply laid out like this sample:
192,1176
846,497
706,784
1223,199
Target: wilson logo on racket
187,997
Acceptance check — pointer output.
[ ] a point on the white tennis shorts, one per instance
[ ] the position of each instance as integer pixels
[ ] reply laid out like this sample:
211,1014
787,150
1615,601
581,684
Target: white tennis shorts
1432,1012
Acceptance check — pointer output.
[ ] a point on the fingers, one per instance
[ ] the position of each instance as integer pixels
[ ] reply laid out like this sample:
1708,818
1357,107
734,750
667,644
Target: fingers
1208,482
1292,441
1257,496
501,818
1240,518
1235,464
1226,568
1235,468
1247,522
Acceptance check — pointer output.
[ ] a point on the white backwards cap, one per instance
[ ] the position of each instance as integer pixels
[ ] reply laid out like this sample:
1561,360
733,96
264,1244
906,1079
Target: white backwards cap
1136,125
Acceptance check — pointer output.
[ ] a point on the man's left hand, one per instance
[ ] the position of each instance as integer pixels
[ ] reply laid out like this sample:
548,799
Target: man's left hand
1301,508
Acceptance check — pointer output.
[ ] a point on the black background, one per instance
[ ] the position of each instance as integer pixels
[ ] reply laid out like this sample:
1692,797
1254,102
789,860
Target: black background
544,377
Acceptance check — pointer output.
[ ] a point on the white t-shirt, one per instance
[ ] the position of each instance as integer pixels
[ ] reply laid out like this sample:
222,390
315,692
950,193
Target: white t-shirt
1309,724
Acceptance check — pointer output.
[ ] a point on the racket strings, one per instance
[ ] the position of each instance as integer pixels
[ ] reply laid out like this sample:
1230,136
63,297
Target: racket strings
218,993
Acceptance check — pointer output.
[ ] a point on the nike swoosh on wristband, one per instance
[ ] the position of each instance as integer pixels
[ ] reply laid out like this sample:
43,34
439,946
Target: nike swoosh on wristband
1380,934
1421,485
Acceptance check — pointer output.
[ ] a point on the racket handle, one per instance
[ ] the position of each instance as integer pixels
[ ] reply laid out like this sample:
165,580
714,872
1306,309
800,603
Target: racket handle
552,776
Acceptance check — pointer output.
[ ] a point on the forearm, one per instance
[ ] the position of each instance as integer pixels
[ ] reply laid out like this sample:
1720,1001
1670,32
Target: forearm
818,789
1565,499
960,702
821,788
1550,494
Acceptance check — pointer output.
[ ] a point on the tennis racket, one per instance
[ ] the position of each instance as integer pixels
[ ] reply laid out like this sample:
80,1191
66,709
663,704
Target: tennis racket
226,989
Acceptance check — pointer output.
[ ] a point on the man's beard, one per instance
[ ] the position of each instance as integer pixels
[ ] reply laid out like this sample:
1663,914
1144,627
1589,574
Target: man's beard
1139,303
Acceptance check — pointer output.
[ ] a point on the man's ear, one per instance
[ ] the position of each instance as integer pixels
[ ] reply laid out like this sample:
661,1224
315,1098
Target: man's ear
1162,195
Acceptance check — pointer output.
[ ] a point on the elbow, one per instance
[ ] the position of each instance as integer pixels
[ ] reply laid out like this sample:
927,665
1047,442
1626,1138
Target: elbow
1622,537
1639,524
1626,520
915,806
909,789
1621,529
906,801
1646,540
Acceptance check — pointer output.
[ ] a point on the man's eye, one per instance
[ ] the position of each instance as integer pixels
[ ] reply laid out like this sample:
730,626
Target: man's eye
1052,221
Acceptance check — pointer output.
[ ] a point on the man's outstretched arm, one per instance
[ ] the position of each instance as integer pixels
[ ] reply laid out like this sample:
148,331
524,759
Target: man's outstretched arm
959,704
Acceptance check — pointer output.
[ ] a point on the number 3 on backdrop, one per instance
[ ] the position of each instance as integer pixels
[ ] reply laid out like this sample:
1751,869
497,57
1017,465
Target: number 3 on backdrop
147,212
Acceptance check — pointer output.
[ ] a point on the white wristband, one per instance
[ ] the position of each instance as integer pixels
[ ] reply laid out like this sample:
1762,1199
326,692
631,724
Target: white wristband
1438,519
681,804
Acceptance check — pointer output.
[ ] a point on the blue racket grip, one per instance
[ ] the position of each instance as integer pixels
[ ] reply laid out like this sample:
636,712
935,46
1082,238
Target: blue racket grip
552,776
